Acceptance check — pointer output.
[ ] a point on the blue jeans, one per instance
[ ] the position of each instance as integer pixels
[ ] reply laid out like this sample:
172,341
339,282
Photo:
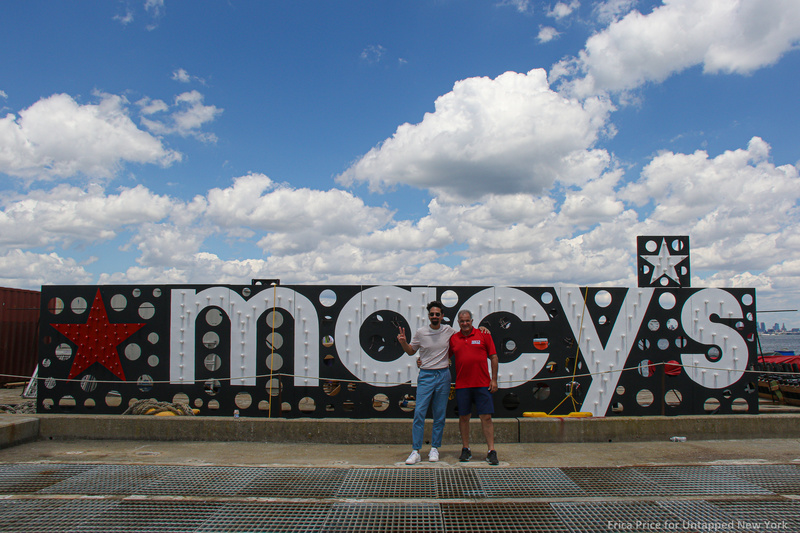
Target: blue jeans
433,388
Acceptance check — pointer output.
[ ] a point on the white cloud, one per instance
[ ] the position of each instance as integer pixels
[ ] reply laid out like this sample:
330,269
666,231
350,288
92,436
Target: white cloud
151,107
505,135
295,219
3,95
181,75
68,215
689,186
155,8
523,6
373,53
57,137
612,10
427,233
27,269
150,275
125,19
593,203
739,209
723,36
547,34
169,245
187,119
563,9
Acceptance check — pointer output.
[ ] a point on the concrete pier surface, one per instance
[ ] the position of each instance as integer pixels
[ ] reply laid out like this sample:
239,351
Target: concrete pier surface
741,485
213,474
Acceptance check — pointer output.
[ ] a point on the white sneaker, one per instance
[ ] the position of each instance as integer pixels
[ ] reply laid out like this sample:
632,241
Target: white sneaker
433,456
414,458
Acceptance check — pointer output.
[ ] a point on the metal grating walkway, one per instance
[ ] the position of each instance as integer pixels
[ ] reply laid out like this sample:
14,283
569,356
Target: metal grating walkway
161,498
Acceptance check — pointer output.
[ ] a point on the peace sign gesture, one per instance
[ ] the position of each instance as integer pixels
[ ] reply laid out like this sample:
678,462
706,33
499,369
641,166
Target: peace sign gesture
401,337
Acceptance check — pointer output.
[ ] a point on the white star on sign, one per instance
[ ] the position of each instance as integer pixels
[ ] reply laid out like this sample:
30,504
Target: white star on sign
662,263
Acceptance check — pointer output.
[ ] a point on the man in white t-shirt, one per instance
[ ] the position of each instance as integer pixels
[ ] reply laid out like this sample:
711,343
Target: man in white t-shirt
433,384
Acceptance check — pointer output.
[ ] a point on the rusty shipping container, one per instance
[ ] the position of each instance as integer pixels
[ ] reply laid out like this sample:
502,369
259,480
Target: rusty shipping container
19,326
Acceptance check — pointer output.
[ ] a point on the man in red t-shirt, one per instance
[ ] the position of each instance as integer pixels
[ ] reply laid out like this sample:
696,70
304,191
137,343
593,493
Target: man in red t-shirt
472,351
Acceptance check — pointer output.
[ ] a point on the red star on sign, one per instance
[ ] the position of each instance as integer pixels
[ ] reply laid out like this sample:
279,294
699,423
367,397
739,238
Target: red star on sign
97,340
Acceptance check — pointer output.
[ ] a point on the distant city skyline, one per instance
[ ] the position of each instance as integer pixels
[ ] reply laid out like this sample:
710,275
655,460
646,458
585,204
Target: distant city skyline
776,328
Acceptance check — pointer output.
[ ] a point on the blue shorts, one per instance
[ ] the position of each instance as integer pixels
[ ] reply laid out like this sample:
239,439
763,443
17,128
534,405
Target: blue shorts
480,396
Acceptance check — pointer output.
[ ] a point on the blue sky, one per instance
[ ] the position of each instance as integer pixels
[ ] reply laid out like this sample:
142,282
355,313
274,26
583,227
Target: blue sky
435,142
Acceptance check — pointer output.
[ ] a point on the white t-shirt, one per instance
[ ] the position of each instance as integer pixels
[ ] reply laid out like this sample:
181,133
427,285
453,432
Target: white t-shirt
433,345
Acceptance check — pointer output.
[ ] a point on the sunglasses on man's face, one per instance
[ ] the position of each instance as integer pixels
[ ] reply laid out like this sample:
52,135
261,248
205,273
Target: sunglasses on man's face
434,314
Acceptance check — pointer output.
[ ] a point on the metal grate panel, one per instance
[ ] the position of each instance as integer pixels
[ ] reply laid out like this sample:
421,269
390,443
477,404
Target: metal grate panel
277,517
501,517
152,516
617,482
201,481
15,513
765,516
700,480
458,483
108,480
65,515
527,483
295,483
782,479
387,518
602,517
697,514
388,483
26,478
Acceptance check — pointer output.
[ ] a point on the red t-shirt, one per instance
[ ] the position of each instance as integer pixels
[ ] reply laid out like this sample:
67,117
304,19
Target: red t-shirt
471,355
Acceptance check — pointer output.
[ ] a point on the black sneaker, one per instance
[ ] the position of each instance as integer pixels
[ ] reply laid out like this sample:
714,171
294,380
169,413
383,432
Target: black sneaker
491,458
466,455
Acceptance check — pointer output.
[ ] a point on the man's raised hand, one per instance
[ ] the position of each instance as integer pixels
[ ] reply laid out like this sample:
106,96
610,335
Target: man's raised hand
401,337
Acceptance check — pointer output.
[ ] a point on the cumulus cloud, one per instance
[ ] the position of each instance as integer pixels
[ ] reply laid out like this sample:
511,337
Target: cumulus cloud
58,137
68,215
294,219
547,34
169,245
723,36
181,75
503,136
186,117
27,269
563,9
611,10
738,207
523,6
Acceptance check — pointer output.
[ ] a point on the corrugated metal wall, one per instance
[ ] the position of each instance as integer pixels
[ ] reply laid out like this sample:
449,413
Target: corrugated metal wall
19,326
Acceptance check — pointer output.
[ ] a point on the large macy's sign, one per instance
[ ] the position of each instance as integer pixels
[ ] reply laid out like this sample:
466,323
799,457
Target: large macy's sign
708,332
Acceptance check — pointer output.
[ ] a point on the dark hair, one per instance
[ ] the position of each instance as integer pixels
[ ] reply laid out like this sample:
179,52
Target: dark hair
435,303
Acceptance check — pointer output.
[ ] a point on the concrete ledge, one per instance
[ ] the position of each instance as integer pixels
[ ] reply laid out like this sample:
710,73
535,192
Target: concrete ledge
17,430
631,429
188,428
